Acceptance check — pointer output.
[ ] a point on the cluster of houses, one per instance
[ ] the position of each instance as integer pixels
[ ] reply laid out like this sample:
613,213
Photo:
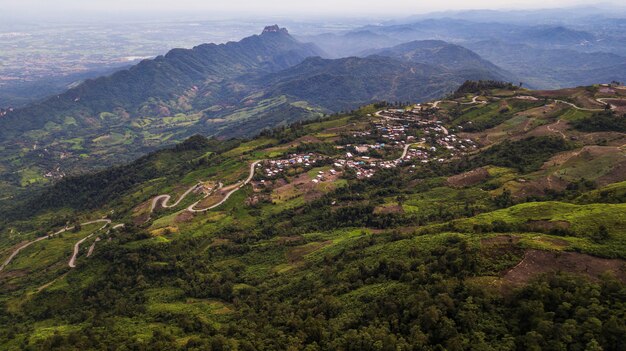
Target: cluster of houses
420,139
272,168
321,175
395,126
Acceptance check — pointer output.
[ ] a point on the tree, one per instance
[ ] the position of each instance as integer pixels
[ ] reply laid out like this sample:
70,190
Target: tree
593,345
504,200
77,227
602,234
400,199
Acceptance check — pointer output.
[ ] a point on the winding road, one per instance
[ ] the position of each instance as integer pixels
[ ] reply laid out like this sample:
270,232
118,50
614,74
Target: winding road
155,201
192,208
166,199
17,251
236,188
72,262
578,107
474,101
604,101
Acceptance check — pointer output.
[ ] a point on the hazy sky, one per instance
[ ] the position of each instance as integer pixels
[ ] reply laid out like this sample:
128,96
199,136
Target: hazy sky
344,8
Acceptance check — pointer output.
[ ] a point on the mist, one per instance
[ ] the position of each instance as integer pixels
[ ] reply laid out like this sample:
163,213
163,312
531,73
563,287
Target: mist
75,10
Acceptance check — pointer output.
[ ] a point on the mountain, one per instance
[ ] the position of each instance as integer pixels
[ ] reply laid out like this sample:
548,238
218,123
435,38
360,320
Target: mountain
492,222
164,78
540,55
453,30
229,90
559,36
124,115
344,84
436,52
551,68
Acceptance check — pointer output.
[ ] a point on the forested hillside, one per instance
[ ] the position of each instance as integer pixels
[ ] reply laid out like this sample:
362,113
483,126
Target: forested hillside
493,220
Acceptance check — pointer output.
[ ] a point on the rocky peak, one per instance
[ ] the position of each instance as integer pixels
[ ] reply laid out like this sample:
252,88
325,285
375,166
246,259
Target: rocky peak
275,29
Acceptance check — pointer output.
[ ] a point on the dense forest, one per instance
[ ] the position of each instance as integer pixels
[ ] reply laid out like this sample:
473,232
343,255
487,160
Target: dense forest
427,303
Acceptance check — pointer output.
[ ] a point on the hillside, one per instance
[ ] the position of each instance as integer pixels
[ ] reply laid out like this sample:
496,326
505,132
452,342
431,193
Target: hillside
130,112
165,78
491,221
437,52
552,68
344,84
546,56
230,90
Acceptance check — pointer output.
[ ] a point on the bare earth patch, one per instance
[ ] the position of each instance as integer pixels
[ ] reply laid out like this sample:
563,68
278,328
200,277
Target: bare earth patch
141,213
537,262
556,93
468,178
184,216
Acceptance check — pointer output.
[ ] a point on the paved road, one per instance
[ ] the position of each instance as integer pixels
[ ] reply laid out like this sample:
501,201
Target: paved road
72,262
236,188
474,101
17,251
604,102
166,199
404,152
191,207
579,108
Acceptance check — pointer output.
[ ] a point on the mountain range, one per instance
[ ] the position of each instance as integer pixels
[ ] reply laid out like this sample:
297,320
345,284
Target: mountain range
548,56
232,89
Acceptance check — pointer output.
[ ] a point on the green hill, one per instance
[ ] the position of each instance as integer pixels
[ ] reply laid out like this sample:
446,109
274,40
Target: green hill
480,222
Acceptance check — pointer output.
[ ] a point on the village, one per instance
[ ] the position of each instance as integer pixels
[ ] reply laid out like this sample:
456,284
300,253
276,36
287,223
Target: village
397,137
